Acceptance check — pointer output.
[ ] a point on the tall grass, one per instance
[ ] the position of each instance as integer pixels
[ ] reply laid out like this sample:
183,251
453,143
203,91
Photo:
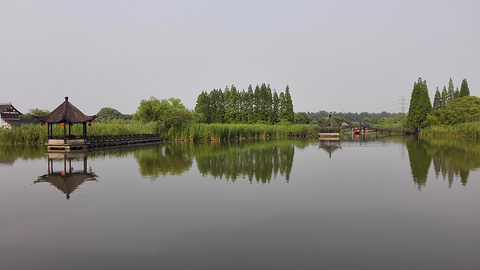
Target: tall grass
469,130
37,134
218,132
27,134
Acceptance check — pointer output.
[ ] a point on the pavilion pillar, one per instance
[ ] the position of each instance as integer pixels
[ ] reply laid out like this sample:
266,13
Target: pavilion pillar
85,131
64,134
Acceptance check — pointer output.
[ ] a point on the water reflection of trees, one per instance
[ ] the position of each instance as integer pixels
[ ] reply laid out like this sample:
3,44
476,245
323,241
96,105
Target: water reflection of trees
10,153
164,159
452,159
260,161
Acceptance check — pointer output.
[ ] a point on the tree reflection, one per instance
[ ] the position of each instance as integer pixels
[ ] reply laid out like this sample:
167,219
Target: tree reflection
10,153
259,161
452,159
164,159
253,161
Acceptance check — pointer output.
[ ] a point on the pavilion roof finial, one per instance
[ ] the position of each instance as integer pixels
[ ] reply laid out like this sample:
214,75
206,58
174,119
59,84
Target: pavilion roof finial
66,98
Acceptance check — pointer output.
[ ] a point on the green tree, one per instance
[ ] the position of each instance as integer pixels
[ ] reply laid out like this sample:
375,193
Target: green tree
464,91
250,105
286,106
444,98
302,118
203,108
34,112
275,108
437,101
457,93
172,113
231,105
451,91
217,99
420,105
462,110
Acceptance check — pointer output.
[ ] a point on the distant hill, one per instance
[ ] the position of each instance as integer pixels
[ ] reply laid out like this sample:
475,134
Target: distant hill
110,114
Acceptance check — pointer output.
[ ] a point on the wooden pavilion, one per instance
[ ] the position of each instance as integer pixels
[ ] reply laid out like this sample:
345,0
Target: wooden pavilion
66,115
328,126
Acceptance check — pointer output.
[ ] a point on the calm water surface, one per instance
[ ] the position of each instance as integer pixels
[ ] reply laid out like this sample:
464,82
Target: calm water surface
388,203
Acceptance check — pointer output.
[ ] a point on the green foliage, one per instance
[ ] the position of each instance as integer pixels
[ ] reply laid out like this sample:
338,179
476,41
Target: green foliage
239,107
468,130
34,112
437,101
420,105
302,118
286,106
26,134
451,91
37,134
171,113
322,116
396,123
463,110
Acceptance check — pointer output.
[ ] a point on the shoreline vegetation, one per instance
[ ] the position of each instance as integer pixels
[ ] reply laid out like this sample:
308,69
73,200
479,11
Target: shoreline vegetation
35,134
231,114
463,130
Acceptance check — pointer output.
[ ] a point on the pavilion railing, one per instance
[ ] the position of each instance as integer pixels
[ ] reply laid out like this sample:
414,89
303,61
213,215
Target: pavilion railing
108,138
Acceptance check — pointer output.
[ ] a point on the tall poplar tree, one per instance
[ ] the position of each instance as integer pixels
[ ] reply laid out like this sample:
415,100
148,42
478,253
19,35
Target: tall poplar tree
275,108
451,91
420,105
464,91
250,105
437,101
203,107
286,106
444,97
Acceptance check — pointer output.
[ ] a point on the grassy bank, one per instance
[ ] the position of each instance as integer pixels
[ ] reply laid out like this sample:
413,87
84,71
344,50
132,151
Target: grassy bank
37,134
468,130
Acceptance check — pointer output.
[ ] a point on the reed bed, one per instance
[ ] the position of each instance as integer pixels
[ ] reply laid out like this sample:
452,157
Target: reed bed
37,134
468,130
223,132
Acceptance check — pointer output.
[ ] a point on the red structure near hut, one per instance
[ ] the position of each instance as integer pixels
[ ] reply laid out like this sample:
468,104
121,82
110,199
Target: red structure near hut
66,115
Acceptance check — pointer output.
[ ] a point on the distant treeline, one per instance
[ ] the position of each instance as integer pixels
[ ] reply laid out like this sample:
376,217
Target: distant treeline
353,117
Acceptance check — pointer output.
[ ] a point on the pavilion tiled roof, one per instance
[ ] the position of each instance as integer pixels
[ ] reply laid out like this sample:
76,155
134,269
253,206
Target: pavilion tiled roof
66,113
330,123
365,124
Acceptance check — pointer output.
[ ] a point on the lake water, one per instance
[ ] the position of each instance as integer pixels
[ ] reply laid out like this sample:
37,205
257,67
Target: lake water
362,203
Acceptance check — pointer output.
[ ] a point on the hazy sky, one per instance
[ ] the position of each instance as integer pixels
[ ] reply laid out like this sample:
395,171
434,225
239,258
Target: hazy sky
350,56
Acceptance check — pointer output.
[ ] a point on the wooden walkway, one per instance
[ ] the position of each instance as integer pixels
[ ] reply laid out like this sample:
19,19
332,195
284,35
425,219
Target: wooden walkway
377,130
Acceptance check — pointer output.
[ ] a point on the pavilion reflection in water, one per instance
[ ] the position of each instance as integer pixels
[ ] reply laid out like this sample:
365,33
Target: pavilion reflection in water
67,179
330,145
